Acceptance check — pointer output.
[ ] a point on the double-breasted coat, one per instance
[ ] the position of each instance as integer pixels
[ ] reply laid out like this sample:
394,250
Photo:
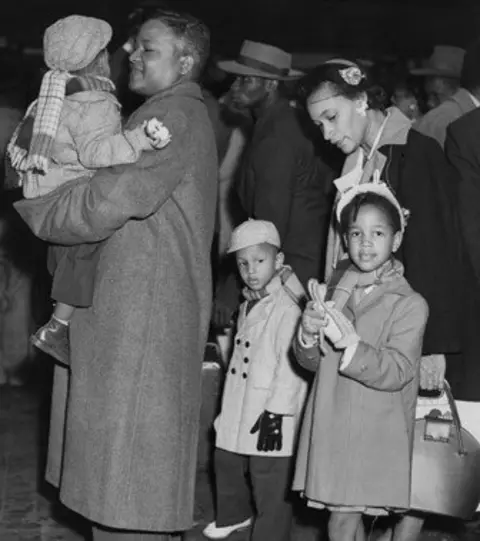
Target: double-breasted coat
262,375
132,417
356,439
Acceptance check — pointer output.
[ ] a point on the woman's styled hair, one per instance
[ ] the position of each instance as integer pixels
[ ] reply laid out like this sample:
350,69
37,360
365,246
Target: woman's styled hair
350,212
335,74
192,34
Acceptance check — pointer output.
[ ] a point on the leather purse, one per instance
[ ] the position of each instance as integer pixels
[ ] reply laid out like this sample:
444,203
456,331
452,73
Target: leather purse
445,466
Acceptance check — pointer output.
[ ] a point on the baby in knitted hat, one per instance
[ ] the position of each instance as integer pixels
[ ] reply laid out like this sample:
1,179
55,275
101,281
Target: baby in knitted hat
73,128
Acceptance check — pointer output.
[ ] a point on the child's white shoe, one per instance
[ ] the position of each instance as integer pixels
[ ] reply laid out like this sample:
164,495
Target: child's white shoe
212,531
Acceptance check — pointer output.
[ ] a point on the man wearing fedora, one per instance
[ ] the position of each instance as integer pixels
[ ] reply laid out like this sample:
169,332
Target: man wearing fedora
447,97
282,178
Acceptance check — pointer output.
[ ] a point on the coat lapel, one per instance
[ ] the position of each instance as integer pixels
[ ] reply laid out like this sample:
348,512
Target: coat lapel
398,286
258,314
464,101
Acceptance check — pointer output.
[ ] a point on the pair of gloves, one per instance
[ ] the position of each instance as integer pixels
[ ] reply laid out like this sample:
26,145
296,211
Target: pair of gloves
321,319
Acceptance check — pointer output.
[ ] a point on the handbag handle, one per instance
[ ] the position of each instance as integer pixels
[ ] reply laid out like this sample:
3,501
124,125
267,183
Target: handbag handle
456,418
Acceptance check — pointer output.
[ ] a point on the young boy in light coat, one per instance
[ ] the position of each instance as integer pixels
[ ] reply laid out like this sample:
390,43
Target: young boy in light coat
264,394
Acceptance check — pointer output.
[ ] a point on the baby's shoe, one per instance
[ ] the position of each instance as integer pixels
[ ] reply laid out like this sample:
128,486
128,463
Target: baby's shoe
53,339
212,531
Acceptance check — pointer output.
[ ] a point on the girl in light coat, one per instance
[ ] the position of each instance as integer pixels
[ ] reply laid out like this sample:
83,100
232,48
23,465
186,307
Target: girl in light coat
264,394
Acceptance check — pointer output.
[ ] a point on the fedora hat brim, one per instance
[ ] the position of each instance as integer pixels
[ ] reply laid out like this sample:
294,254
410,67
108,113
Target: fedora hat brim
435,72
236,68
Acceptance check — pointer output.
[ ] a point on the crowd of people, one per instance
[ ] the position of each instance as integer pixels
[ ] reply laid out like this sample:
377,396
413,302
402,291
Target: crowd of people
327,218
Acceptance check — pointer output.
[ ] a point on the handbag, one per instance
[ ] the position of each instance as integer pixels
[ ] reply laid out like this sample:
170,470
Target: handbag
445,477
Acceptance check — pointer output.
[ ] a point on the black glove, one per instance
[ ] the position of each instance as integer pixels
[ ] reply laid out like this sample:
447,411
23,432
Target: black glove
270,427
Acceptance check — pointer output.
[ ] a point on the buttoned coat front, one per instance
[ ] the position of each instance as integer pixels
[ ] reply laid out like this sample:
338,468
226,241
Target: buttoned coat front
262,375
129,454
356,439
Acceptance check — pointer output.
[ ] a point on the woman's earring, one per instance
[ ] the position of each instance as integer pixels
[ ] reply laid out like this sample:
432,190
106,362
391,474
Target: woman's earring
362,108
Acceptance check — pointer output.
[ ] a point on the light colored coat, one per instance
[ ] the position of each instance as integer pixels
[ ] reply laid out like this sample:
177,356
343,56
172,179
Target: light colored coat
435,122
132,417
261,375
89,136
356,439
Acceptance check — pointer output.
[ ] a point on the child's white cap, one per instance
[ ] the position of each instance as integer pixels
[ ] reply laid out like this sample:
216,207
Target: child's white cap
253,232
377,187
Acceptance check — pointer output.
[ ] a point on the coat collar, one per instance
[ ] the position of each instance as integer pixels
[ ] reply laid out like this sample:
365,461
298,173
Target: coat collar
395,132
274,110
260,312
398,287
464,100
186,89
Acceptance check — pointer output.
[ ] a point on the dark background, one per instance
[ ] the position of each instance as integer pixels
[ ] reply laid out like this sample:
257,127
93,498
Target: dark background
369,27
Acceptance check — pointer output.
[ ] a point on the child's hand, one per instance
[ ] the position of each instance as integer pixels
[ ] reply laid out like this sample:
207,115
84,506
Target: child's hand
269,428
157,133
313,321
340,330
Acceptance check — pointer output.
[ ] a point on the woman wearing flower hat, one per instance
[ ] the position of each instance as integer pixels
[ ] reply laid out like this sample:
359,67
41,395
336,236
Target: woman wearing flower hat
127,458
347,107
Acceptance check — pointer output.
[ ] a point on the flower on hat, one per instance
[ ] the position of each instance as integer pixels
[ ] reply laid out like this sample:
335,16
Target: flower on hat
352,75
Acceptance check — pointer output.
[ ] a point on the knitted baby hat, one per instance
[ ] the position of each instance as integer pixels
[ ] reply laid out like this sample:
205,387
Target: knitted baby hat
72,43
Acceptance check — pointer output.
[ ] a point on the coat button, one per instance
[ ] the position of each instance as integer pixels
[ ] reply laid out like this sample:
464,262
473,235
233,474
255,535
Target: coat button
233,371
244,376
238,341
246,360
247,344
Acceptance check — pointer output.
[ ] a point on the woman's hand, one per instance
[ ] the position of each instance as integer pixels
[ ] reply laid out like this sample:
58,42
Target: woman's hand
432,372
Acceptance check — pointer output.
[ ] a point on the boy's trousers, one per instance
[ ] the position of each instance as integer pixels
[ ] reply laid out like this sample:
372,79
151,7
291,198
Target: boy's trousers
270,481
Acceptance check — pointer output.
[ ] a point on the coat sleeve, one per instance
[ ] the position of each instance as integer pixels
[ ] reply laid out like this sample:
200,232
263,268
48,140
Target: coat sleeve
467,166
92,210
100,141
431,244
274,164
307,357
434,124
287,384
396,363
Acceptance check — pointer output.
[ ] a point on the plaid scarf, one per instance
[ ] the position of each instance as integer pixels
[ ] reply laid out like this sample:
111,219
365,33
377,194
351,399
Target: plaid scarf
352,279
31,159
282,275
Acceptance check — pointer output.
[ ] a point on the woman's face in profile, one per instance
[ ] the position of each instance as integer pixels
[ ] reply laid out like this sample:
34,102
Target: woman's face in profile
154,61
337,117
